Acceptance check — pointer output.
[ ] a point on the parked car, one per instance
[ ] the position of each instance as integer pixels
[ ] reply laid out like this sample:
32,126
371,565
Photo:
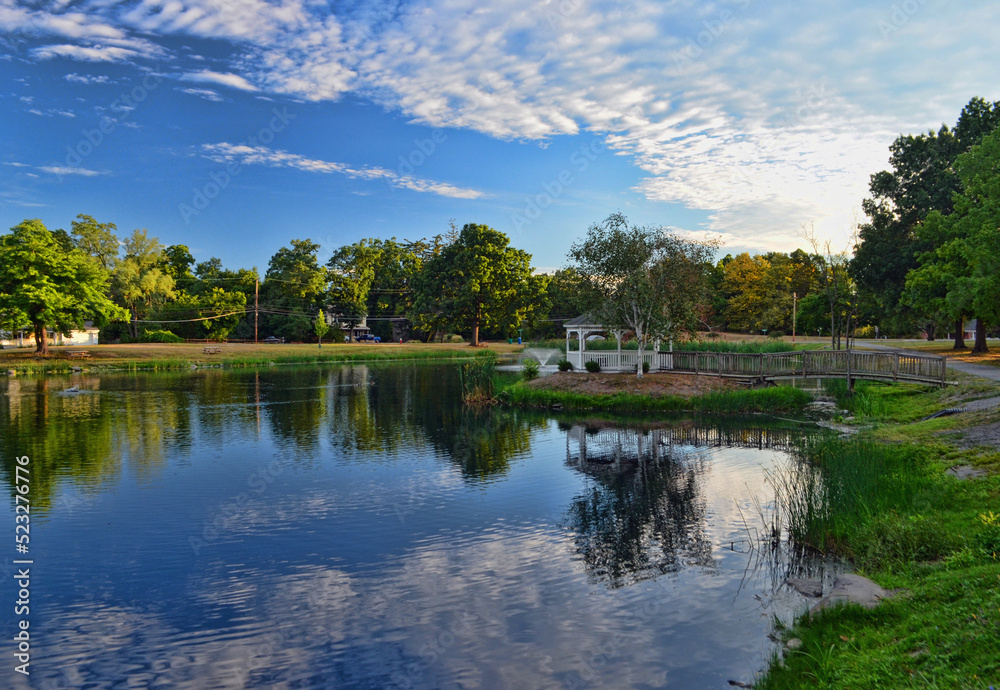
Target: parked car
272,339
369,338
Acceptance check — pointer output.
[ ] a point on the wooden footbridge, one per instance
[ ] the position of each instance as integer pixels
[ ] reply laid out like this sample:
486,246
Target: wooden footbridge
853,364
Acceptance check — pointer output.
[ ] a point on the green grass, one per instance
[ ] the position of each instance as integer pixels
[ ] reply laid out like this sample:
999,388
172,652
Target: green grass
764,400
942,633
331,355
891,509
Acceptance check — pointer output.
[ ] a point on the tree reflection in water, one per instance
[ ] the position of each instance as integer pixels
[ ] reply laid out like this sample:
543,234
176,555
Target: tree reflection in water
642,514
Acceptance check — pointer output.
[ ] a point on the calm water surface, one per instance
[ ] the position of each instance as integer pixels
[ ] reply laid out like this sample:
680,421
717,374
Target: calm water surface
355,527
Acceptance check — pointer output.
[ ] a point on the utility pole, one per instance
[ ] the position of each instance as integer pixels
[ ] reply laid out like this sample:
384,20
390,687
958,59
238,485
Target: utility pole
795,300
256,285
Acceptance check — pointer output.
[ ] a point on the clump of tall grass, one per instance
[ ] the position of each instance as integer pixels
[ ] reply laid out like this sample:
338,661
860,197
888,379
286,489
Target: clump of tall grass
860,498
865,401
479,378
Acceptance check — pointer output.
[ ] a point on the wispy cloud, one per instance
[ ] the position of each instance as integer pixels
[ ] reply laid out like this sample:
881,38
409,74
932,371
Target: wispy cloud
63,170
234,81
207,94
88,78
261,155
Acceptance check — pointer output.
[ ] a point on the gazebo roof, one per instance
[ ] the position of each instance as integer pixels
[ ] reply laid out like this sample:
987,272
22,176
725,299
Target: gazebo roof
583,320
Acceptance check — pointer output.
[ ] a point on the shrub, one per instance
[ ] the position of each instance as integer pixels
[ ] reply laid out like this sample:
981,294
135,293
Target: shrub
645,367
565,365
159,337
530,369
592,366
775,334
454,338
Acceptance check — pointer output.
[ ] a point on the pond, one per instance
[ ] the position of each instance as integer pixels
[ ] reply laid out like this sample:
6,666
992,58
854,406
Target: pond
356,527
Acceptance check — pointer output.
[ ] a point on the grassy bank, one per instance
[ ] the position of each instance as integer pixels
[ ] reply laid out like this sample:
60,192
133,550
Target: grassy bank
883,499
764,400
168,356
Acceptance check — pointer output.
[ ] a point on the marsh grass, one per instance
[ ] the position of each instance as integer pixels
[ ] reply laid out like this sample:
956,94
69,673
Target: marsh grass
763,400
862,499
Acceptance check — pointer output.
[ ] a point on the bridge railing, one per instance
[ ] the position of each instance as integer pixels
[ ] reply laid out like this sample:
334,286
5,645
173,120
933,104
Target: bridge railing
886,366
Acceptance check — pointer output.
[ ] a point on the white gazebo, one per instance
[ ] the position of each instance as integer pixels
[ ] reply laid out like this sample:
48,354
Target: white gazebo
616,360
585,325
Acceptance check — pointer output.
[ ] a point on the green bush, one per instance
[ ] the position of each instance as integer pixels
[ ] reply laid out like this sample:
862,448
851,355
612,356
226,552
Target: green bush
645,367
776,334
565,365
159,337
529,369
454,338
592,366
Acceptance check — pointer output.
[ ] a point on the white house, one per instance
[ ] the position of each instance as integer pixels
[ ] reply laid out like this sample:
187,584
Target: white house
25,337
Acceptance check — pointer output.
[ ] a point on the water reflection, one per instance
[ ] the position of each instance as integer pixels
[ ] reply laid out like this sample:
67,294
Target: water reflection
399,539
642,513
368,412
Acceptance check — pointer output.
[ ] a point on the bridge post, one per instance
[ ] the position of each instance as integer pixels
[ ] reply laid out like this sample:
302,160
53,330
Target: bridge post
895,367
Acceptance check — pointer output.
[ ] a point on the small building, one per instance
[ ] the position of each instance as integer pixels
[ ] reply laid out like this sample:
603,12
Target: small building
25,337
352,333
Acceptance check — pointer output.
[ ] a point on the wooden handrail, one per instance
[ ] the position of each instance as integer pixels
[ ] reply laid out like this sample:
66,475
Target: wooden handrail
888,366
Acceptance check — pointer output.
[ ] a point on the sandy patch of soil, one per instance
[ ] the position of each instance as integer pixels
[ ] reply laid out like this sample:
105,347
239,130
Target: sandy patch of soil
654,384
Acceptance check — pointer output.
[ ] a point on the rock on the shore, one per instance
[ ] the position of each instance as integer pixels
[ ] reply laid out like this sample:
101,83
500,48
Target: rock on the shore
807,587
853,589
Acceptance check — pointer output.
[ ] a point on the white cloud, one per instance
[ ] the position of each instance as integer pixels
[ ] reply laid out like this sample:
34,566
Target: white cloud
261,155
88,78
209,77
207,94
84,53
62,170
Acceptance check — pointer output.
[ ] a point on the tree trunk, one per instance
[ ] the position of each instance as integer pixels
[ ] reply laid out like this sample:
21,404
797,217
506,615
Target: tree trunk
980,345
959,335
931,331
475,334
41,342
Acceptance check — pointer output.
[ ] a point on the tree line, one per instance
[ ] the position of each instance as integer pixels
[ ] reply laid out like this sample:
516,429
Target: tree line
467,280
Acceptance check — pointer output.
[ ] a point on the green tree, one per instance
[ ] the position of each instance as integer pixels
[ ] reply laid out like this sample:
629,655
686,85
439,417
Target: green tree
646,280
139,282
294,288
322,327
479,281
922,180
97,240
352,272
46,286
967,256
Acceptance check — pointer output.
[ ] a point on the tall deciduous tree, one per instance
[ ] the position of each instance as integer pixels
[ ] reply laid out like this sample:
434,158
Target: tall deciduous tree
139,281
295,287
967,257
479,281
43,284
97,240
922,180
646,280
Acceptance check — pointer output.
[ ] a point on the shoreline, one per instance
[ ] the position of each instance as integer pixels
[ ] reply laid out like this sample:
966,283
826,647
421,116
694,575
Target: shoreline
179,356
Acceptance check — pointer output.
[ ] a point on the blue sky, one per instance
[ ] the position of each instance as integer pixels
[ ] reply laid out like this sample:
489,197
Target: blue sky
235,126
